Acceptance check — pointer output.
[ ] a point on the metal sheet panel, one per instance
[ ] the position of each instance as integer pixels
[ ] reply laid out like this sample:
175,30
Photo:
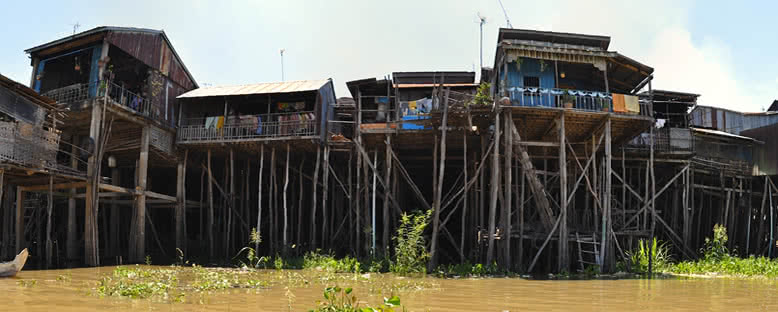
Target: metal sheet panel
259,88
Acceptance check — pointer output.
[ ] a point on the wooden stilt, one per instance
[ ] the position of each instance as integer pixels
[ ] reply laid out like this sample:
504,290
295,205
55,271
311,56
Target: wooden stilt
286,214
49,211
179,213
564,261
508,191
325,192
464,195
72,233
315,197
259,194
209,228
115,216
439,186
387,192
272,207
606,198
373,210
301,193
138,243
495,188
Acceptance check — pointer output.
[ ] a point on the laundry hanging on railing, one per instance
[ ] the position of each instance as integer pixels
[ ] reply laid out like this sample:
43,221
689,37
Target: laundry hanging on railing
210,122
632,104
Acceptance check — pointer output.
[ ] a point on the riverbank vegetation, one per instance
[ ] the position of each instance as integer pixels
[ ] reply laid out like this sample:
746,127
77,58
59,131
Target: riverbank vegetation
716,259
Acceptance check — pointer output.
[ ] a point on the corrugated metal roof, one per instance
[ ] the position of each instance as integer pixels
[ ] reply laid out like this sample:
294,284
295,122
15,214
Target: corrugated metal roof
723,134
259,88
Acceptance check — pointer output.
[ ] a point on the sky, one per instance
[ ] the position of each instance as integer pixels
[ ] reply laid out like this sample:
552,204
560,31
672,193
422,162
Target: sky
719,49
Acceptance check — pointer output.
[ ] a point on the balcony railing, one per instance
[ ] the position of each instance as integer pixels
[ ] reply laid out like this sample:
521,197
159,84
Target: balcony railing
666,140
300,124
76,94
580,100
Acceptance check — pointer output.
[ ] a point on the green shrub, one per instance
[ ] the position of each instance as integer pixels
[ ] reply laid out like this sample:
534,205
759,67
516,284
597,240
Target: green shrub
638,258
482,97
410,249
716,246
315,260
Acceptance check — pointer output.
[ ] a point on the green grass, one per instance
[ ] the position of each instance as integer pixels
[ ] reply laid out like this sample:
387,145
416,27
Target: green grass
728,265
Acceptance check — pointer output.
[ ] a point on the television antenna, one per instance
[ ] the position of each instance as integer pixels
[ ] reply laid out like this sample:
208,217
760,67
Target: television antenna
75,27
507,19
481,22
282,63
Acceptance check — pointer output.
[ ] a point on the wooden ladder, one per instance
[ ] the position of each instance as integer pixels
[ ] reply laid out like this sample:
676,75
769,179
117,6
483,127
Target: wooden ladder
593,252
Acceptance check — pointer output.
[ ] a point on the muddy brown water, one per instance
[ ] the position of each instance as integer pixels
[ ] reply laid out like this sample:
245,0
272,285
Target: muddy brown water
417,294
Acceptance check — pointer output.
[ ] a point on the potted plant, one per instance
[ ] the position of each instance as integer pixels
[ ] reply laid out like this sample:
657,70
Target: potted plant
606,106
568,100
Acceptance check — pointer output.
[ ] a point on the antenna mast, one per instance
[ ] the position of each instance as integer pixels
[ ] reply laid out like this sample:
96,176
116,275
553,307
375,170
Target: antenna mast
282,63
482,21
507,20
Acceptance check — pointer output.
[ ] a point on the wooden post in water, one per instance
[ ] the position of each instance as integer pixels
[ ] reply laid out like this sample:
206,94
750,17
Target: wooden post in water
49,211
72,233
387,191
495,187
564,262
19,219
209,228
315,188
508,190
259,195
286,187
324,192
138,243
439,186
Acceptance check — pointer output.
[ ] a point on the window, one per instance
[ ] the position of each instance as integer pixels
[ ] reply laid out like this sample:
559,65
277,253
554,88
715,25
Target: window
531,81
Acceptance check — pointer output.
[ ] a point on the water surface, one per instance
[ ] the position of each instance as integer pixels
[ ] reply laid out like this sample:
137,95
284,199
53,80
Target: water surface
77,293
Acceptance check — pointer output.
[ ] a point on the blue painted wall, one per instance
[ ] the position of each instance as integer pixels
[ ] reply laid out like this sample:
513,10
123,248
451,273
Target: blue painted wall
530,68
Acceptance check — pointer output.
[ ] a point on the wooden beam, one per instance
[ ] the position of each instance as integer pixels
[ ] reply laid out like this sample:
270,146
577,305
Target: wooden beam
55,186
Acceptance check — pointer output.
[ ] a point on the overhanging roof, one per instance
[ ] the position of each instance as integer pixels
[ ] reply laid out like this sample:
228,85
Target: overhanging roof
601,42
258,88
100,29
25,91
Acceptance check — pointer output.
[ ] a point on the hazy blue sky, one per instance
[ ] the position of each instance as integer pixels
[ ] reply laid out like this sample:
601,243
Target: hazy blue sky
719,49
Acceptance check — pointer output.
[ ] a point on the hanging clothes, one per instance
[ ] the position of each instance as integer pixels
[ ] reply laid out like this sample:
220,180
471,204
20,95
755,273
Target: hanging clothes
259,124
632,104
219,122
210,122
618,103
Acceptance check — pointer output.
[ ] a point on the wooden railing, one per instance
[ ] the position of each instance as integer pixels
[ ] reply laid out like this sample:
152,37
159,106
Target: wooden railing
580,100
302,124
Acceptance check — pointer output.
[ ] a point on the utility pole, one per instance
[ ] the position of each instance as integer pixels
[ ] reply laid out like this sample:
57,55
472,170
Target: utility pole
282,64
482,21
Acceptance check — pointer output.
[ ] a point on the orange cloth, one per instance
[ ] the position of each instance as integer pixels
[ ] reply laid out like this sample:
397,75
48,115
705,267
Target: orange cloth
618,103
219,122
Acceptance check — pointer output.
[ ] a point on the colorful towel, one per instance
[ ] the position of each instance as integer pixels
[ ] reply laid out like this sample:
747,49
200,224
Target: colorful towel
219,122
632,104
618,103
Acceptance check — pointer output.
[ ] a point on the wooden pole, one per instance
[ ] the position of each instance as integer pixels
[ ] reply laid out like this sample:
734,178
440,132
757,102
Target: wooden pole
495,188
115,215
272,207
138,243
211,247
300,204
387,192
439,186
179,213
286,187
19,219
372,214
564,262
464,195
313,206
324,192
72,233
358,202
508,190
605,246
49,211
259,194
